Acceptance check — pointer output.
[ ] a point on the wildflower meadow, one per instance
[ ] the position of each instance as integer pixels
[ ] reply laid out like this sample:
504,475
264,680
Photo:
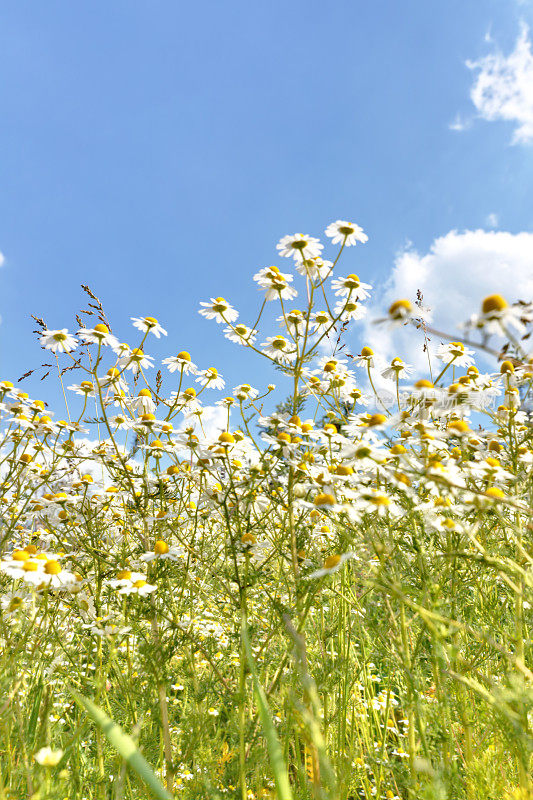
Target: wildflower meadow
329,596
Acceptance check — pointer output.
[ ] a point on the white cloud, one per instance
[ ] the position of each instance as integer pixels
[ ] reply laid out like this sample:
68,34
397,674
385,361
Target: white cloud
492,221
2,259
457,272
503,88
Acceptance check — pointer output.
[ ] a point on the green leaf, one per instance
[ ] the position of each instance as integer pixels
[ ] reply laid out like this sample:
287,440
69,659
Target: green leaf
275,753
124,745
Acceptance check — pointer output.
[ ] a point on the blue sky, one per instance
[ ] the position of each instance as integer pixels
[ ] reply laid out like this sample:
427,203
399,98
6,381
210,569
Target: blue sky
158,150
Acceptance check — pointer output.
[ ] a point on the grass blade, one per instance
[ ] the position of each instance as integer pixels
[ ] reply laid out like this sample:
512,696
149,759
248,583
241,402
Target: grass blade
275,754
124,745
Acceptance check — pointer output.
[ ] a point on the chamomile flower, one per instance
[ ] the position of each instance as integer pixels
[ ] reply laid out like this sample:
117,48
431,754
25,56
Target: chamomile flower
47,757
148,325
294,321
332,564
279,348
143,403
321,322
456,352
125,577
181,362
52,575
100,335
163,552
139,587
351,287
397,370
135,360
13,602
210,377
245,392
240,334
275,283
299,246
219,310
497,315
121,422
345,232
403,311
348,310
84,389
315,268
60,341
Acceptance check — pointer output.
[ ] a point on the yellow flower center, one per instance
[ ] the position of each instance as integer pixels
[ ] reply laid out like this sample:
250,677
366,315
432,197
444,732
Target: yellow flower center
161,548
376,419
495,493
323,499
459,425
20,555
400,308
494,302
332,561
52,567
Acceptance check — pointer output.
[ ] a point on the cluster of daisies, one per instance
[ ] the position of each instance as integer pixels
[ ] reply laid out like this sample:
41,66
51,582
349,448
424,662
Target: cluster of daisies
149,510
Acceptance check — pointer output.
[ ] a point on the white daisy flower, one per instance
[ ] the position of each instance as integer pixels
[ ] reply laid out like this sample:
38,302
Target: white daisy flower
47,757
135,360
315,268
124,578
351,287
84,389
162,552
299,246
143,403
210,377
294,321
402,311
332,564
100,334
276,284
349,310
397,369
181,362
245,392
497,315
52,575
121,422
148,325
279,348
140,587
321,322
58,341
240,334
347,232
456,352
219,310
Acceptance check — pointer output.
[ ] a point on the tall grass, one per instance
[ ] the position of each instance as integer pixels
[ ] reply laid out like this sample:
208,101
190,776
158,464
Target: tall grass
327,600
